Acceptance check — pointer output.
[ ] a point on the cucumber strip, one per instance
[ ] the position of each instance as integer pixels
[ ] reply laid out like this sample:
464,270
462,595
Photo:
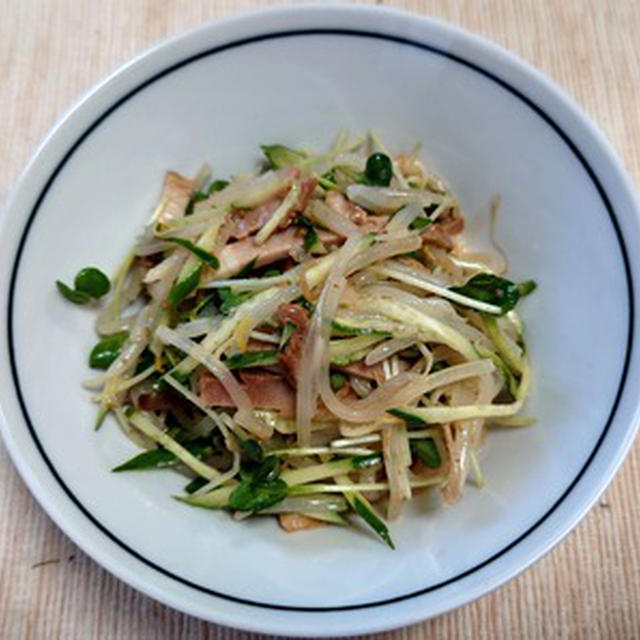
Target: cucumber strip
348,350
512,358
306,489
217,499
427,451
415,416
402,274
406,314
331,517
329,469
344,328
364,509
206,257
185,286
161,458
252,359
224,330
144,424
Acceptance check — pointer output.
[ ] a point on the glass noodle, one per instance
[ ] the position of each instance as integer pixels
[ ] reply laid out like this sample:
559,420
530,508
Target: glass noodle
310,340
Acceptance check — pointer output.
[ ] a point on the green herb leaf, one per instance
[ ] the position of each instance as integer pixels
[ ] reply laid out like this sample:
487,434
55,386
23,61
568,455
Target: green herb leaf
260,487
102,414
107,350
198,196
427,451
251,449
252,359
330,175
311,239
146,360
491,289
268,470
195,484
184,287
328,180
420,222
161,458
92,281
249,496
378,170
205,307
218,185
206,257
77,297
527,287
337,381
229,299
280,156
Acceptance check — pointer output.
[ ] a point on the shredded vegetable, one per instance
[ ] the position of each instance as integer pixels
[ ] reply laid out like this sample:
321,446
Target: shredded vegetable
311,341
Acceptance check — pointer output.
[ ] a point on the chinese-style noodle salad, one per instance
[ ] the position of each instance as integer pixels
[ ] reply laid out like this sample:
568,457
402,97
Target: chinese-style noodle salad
309,340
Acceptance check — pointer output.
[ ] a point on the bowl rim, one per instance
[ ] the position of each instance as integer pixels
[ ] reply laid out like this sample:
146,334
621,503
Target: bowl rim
68,125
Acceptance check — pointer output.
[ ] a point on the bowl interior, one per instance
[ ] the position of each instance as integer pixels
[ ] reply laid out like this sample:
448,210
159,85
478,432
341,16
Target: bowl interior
481,138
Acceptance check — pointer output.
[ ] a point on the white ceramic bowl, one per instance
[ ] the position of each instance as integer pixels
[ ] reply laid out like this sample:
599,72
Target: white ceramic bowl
489,124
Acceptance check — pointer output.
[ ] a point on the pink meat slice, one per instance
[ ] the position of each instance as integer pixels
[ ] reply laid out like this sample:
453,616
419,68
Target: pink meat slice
292,353
265,390
176,194
246,223
236,255
367,223
362,370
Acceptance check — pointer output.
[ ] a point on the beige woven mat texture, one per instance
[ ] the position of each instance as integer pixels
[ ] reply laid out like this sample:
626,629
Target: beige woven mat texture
52,51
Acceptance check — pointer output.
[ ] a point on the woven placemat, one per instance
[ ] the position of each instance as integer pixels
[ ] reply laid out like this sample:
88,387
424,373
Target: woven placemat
50,52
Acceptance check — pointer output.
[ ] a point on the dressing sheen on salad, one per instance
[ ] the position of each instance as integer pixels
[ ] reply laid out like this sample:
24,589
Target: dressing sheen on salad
310,340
